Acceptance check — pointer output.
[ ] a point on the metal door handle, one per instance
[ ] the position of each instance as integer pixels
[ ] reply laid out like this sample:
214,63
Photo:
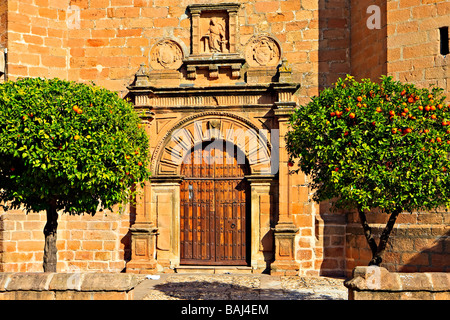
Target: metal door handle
233,226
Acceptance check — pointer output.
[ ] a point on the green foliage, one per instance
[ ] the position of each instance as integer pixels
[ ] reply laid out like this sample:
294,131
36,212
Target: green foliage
76,144
375,145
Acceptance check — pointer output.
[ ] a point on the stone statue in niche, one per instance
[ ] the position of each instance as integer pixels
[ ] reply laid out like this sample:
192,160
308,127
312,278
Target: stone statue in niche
217,37
166,54
263,51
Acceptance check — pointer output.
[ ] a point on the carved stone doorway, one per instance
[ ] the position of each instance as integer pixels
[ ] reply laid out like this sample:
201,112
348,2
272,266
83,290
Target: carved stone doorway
214,228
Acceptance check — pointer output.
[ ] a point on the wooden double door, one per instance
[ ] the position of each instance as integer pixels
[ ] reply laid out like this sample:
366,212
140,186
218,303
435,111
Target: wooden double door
214,197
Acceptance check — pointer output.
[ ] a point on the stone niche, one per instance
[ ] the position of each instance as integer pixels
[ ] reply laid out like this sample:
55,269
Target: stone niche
214,28
214,41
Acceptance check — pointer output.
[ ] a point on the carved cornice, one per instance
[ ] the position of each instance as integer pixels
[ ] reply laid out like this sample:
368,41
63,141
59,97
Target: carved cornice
197,8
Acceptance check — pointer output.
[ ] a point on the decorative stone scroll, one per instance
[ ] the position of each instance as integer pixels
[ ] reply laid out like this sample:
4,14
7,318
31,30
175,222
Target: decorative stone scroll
263,51
166,55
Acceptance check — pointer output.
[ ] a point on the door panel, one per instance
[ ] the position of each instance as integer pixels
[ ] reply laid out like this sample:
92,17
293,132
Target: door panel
213,209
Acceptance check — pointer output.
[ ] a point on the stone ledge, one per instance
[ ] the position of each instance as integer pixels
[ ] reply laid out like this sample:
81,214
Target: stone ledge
374,282
84,282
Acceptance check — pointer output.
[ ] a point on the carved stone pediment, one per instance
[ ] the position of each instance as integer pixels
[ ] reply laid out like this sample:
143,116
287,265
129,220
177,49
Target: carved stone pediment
215,57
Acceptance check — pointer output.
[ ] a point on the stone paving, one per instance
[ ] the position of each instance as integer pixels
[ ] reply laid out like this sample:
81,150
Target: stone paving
240,287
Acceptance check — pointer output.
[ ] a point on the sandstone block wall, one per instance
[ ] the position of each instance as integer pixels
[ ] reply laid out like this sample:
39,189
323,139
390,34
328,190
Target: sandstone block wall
99,243
420,242
105,41
413,43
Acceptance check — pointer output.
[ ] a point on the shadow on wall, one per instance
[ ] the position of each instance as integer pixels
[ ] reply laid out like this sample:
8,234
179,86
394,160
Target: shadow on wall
356,46
334,41
126,240
431,259
330,241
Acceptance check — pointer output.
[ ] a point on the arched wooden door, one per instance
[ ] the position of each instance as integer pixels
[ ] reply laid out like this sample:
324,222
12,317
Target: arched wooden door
214,208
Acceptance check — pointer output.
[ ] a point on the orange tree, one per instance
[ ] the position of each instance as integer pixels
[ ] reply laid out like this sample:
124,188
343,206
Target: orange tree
67,146
375,145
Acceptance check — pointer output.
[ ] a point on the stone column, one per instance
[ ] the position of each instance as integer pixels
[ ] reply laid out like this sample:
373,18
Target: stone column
233,23
195,31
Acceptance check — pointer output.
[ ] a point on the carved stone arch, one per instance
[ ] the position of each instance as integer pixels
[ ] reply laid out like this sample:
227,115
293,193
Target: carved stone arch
207,126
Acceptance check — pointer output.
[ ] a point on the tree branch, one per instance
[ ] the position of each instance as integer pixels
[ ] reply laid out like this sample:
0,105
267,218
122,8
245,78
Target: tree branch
386,233
367,232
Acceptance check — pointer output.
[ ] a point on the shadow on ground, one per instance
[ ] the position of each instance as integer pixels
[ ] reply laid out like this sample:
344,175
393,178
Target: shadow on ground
205,290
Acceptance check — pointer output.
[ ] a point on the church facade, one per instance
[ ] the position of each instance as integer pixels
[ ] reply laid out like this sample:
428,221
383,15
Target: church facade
215,83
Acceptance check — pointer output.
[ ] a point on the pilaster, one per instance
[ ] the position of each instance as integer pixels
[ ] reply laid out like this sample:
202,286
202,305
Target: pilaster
285,229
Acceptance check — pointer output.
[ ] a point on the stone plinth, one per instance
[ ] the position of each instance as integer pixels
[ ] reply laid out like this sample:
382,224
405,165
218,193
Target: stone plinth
377,283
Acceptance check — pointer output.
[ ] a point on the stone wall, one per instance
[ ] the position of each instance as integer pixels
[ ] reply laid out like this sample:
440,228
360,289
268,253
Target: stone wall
106,41
67,286
94,243
375,283
419,242
413,42
368,45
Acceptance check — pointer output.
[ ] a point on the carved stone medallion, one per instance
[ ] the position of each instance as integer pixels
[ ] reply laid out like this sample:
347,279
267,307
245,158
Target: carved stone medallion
166,54
263,51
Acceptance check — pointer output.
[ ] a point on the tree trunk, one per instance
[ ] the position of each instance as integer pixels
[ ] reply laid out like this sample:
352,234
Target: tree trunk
378,250
50,251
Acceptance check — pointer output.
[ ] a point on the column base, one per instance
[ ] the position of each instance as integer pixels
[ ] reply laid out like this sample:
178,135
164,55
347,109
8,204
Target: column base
285,264
142,249
141,267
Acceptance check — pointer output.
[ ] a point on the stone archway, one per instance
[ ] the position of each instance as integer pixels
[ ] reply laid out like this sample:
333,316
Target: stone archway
172,153
209,126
